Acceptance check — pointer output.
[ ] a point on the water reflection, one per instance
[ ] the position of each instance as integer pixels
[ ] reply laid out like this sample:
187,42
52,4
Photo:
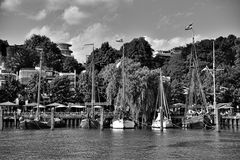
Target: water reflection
119,144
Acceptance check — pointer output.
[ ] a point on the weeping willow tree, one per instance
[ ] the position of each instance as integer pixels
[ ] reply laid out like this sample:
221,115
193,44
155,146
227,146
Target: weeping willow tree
141,88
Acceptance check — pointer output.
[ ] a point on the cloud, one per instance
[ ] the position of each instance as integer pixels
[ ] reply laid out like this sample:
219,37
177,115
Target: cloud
10,5
39,16
72,15
163,44
96,33
54,35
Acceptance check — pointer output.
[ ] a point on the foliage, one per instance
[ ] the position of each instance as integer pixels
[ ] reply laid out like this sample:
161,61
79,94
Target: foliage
140,51
52,57
10,91
103,56
21,58
60,90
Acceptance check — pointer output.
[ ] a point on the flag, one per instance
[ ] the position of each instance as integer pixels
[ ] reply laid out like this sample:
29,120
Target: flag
119,40
118,64
189,27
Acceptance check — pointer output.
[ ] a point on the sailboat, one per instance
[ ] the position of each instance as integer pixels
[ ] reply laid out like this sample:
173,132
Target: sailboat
124,121
196,115
166,121
90,121
36,122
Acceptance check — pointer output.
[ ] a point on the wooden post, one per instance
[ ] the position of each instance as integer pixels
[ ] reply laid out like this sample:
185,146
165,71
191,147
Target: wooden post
101,118
70,121
161,119
79,122
67,122
1,119
52,118
15,119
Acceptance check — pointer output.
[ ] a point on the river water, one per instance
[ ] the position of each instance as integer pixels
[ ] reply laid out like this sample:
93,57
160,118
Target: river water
119,144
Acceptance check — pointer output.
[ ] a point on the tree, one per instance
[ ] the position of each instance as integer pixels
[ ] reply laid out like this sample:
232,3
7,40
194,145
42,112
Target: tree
32,88
52,57
10,91
60,90
21,58
103,56
140,51
141,88
70,64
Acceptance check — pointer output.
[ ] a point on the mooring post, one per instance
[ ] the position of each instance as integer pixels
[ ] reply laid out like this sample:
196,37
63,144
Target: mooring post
161,119
15,119
101,118
1,119
52,118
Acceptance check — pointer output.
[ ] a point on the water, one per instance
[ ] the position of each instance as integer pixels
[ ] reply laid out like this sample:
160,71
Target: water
111,144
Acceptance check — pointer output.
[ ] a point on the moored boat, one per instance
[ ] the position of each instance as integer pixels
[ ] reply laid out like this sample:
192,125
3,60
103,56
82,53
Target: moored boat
123,124
167,123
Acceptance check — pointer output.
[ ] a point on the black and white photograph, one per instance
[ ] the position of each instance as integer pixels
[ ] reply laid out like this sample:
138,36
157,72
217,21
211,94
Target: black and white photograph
119,79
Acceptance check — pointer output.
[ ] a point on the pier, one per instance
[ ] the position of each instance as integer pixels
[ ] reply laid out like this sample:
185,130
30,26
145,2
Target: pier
71,119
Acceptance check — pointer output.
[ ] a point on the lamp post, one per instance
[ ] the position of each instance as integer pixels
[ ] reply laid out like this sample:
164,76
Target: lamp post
93,78
39,49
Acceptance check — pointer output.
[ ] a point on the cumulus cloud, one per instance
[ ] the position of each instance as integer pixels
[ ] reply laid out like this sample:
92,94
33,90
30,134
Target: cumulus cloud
163,44
10,5
39,16
96,33
72,15
54,35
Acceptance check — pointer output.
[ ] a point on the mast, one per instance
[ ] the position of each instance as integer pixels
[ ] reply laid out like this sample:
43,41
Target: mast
93,82
161,100
214,91
123,74
39,80
194,74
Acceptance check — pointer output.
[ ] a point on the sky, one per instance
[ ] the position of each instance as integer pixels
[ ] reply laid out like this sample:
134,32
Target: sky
79,22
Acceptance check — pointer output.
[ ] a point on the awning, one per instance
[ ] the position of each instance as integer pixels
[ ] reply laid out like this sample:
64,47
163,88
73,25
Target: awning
8,104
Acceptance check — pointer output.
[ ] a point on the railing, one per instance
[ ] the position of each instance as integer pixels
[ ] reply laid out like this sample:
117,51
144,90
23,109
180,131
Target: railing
66,114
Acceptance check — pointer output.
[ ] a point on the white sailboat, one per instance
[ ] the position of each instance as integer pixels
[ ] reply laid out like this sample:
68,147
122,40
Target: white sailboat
162,121
123,122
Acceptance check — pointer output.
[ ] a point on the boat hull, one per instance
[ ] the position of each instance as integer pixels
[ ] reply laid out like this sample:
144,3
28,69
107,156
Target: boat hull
167,123
33,124
198,122
123,124
89,123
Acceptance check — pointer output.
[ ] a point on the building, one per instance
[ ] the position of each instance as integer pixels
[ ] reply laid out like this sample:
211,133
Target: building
26,74
4,75
168,53
64,48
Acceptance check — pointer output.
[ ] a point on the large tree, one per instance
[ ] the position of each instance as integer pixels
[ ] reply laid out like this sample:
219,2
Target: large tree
52,56
140,51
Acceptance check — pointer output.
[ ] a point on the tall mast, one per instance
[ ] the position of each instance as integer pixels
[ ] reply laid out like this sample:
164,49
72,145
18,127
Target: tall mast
93,82
214,91
39,80
123,74
161,100
93,79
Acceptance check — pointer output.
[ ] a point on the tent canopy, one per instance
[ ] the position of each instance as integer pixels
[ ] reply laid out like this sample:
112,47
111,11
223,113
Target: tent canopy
77,106
61,106
8,104
54,104
31,104
40,106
